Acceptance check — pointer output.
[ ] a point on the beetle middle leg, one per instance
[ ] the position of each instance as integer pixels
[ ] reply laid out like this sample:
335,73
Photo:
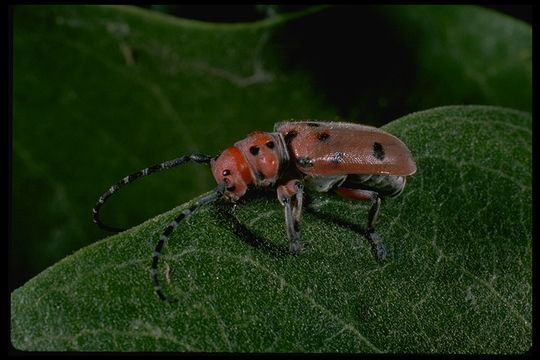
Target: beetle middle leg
293,210
375,198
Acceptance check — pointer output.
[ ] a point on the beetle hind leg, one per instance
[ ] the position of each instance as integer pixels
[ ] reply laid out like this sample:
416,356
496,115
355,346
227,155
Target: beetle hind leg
373,237
368,195
293,210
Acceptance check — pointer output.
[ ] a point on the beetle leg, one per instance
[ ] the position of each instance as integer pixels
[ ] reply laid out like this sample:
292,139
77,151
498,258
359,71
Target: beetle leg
374,197
374,212
376,242
293,210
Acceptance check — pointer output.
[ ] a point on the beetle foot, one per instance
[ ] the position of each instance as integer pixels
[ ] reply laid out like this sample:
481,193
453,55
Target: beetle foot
296,248
377,245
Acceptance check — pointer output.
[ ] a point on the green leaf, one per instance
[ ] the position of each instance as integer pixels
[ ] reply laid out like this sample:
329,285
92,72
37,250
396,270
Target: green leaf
457,278
101,91
465,55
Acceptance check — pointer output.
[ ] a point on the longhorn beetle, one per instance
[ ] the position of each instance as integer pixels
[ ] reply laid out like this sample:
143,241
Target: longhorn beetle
355,161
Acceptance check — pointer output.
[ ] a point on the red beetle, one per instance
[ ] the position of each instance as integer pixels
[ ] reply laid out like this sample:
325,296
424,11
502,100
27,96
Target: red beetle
356,161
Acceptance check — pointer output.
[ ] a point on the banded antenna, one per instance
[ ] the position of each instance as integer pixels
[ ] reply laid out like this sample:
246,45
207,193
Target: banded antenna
202,201
198,158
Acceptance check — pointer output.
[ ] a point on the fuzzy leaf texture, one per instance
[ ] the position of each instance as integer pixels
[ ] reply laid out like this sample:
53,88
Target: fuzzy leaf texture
457,278
103,91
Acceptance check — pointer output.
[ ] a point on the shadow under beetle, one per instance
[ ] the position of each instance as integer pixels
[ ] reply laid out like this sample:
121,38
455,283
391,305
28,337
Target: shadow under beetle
355,161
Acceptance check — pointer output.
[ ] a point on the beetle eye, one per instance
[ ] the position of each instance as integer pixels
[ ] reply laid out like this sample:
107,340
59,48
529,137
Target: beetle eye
270,144
254,150
226,172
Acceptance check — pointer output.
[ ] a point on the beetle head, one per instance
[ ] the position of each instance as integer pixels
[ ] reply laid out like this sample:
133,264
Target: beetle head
231,168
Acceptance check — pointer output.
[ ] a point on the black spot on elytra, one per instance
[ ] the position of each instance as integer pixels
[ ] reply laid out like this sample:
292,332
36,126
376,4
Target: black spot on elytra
312,124
378,151
231,188
323,137
290,135
254,150
336,157
304,162
270,144
226,172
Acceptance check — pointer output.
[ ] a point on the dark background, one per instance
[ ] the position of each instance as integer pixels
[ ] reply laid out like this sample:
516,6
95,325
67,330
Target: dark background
246,13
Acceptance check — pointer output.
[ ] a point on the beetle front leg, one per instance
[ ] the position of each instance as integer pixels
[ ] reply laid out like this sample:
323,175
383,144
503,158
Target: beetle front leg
293,210
374,197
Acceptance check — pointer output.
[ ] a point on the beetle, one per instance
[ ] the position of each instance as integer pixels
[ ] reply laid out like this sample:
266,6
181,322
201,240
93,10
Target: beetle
355,161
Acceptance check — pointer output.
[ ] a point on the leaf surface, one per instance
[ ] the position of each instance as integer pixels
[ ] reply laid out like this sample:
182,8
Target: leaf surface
457,278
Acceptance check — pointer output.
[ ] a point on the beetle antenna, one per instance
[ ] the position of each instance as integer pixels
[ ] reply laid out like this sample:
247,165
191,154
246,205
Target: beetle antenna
198,158
202,201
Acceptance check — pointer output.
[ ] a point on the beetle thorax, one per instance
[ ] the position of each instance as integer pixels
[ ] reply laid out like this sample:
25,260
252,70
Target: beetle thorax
259,159
266,155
